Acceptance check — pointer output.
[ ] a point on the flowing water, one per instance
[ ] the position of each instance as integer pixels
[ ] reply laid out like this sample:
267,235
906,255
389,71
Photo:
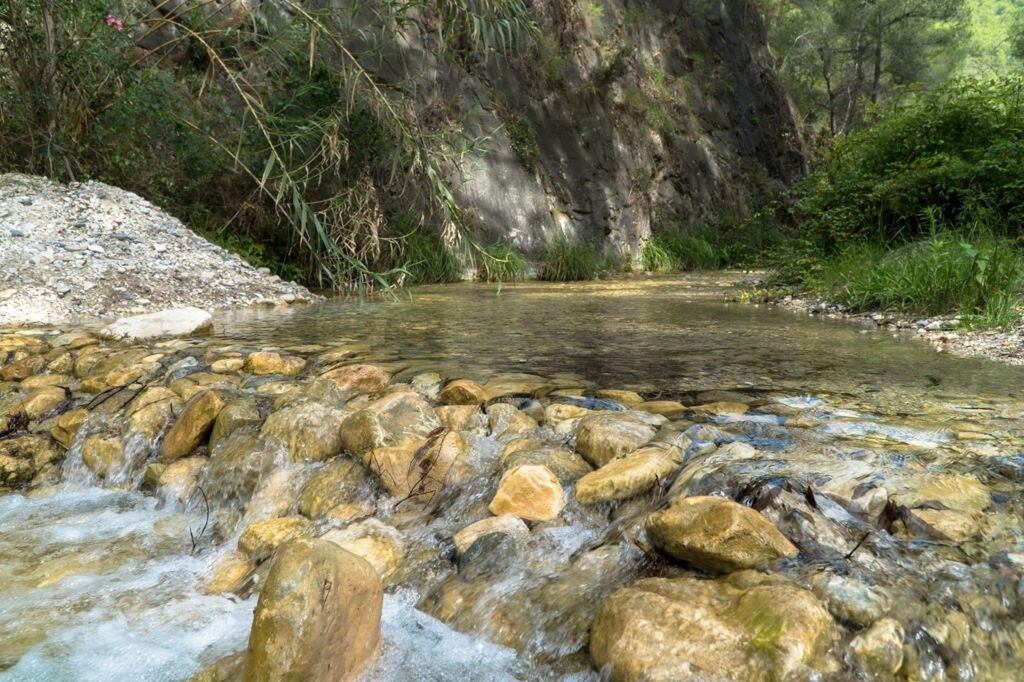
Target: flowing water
103,582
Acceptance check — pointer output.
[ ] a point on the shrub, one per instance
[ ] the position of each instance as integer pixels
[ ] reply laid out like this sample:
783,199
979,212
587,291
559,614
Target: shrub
500,263
666,251
427,260
566,261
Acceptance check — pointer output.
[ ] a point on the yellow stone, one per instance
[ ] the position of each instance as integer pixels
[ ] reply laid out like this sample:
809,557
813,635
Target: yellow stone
530,492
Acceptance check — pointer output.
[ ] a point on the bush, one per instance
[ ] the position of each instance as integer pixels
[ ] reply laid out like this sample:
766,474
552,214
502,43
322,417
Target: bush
427,260
667,251
567,261
500,263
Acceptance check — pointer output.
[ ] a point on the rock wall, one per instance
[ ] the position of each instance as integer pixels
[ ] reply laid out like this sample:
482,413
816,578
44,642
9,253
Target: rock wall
643,115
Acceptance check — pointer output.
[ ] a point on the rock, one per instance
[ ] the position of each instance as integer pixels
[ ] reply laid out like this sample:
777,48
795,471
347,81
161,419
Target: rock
668,408
237,465
489,556
151,411
460,417
22,458
601,438
506,420
556,413
361,378
341,490
41,401
690,629
227,365
720,407
566,465
463,392
310,431
529,492
104,455
260,539
166,323
192,427
45,380
508,524
19,370
268,362
878,651
396,419
851,600
631,475
627,398
178,480
67,426
377,543
230,573
716,534
946,507
441,463
235,415
318,616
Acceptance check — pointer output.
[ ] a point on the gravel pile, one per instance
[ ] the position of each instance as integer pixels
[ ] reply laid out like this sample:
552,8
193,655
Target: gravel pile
89,250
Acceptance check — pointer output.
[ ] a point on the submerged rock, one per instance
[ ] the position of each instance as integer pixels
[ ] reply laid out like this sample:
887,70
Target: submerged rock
601,438
103,455
363,378
851,600
631,475
508,524
269,362
716,534
175,322
318,616
690,629
463,392
22,458
310,431
460,417
507,420
235,415
529,492
341,490
878,651
260,539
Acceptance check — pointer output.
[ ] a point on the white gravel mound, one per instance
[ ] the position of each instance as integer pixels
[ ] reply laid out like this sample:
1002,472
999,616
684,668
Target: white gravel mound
89,250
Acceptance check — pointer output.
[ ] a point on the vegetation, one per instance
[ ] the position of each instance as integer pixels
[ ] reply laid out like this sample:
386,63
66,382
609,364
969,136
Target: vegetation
672,251
500,263
568,261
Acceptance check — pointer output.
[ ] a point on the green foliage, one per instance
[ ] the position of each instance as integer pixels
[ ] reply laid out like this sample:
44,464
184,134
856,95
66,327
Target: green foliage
524,141
951,152
568,261
674,251
426,259
500,263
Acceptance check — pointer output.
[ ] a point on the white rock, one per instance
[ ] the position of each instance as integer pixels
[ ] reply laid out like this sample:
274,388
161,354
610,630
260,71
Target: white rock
176,322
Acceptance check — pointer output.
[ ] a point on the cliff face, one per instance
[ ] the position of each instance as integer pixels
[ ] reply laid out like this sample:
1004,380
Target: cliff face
640,115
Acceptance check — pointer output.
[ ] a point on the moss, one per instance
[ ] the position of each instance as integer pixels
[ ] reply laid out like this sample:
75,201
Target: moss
524,141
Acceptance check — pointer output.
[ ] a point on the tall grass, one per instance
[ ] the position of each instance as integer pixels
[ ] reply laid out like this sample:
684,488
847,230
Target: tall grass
670,251
500,263
980,276
428,260
568,261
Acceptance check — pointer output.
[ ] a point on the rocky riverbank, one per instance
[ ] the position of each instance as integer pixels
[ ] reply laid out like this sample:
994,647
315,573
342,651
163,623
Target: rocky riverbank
88,250
585,528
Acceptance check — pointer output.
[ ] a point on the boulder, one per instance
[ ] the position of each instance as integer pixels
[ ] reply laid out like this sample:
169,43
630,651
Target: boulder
23,457
463,392
234,415
696,630
420,469
269,362
310,431
104,455
529,492
566,465
67,425
260,539
507,524
631,475
229,573
377,543
318,616
602,437
22,368
178,480
192,427
166,323
506,420
341,490
878,651
716,534
460,417
851,600
151,411
361,378
41,401
399,418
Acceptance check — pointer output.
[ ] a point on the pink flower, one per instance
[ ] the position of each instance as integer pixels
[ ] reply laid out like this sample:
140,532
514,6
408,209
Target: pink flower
115,22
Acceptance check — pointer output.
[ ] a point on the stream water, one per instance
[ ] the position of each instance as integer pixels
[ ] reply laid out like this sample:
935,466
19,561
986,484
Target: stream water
99,581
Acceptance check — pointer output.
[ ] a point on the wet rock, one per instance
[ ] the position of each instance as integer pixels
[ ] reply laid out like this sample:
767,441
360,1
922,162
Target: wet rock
260,539
235,415
667,408
237,465
230,668
318,616
719,408
361,378
45,380
103,455
19,370
227,365
601,438
630,475
269,362
689,629
396,419
427,384
178,480
514,384
507,420
421,469
460,417
377,543
310,431
229,573
151,411
41,401
946,507
851,600
192,427
566,465
556,413
878,651
716,534
489,555
340,490
507,524
22,458
627,398
67,425
463,392
529,492
166,323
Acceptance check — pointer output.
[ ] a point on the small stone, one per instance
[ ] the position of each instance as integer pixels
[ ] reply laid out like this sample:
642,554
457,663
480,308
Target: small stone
508,524
878,651
268,362
530,492
261,538
631,475
463,392
192,427
601,438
